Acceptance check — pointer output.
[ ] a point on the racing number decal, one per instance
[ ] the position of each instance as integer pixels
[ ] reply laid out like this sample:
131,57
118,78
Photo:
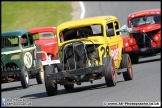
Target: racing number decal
114,52
105,51
102,48
28,59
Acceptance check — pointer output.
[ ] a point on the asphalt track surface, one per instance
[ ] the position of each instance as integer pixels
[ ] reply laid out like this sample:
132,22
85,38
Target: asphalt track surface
145,86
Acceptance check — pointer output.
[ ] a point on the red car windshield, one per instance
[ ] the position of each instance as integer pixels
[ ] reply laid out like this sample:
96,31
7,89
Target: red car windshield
43,35
152,19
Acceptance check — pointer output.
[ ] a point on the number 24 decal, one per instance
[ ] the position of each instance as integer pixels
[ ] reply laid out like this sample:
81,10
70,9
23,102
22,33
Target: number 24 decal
114,51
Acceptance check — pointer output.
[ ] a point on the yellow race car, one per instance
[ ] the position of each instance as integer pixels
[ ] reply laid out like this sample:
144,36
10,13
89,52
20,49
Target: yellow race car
89,49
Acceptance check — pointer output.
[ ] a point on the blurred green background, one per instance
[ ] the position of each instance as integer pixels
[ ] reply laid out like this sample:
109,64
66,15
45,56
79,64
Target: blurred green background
28,14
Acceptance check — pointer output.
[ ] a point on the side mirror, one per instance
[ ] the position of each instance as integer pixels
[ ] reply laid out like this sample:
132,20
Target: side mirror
110,32
124,28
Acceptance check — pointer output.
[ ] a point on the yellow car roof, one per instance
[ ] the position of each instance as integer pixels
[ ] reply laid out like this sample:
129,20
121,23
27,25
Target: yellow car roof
86,21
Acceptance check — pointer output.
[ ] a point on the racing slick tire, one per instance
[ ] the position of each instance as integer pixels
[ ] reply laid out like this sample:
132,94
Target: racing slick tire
40,74
24,76
110,74
50,85
126,63
134,58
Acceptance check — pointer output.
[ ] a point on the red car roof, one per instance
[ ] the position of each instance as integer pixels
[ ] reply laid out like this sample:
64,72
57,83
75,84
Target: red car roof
146,12
42,29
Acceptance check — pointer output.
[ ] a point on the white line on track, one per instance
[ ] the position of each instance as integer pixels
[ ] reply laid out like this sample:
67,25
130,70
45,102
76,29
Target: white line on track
82,9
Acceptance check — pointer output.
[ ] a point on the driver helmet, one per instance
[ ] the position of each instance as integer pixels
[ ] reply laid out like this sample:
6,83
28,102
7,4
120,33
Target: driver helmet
84,31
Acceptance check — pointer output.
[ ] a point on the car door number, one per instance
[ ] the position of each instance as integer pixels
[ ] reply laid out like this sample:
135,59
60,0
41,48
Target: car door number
105,51
28,59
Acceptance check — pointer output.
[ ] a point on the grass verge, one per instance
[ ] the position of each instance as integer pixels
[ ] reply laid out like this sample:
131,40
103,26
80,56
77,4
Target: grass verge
28,14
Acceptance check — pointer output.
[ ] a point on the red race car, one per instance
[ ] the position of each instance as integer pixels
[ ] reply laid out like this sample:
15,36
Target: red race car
45,38
144,30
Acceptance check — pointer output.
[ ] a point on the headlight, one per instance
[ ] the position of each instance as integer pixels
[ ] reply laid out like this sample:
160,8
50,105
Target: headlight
126,44
132,41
